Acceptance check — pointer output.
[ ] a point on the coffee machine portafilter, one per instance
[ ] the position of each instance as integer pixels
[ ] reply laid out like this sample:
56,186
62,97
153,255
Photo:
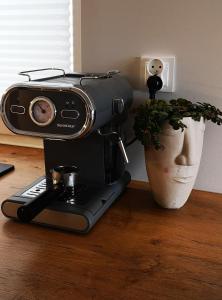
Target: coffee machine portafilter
81,118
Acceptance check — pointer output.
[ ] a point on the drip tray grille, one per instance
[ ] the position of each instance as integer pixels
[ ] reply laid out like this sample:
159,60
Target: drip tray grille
35,190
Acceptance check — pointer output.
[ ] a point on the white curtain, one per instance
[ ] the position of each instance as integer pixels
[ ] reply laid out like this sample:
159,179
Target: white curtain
34,34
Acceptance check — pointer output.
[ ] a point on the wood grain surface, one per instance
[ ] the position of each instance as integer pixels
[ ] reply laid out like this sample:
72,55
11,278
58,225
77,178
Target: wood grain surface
137,250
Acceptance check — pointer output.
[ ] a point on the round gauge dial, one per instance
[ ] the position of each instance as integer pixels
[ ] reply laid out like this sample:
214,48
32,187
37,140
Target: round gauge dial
42,111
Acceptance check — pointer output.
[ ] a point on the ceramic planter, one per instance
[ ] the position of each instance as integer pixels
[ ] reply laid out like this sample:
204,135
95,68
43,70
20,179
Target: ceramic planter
172,172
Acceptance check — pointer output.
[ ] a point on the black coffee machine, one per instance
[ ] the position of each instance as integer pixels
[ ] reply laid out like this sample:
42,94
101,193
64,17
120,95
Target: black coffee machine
80,117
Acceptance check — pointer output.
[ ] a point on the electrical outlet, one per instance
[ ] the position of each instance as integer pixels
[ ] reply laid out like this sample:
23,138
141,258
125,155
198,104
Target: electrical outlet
161,66
154,67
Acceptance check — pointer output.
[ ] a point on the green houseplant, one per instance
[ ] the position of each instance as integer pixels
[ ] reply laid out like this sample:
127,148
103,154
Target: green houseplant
151,116
172,134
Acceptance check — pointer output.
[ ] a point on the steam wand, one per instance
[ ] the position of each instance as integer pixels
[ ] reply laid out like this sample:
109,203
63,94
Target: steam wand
115,138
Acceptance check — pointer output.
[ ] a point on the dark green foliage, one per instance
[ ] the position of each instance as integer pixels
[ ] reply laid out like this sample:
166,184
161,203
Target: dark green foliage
151,116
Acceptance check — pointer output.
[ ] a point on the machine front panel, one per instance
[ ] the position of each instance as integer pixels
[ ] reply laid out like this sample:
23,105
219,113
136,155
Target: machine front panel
52,113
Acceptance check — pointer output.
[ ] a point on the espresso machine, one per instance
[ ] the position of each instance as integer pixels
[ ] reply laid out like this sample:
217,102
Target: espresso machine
81,118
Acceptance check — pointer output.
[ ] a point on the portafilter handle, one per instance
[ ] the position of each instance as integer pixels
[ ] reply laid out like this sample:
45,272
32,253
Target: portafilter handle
64,179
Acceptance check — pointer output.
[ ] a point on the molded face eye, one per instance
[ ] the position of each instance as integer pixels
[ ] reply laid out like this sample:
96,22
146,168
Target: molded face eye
172,132
168,130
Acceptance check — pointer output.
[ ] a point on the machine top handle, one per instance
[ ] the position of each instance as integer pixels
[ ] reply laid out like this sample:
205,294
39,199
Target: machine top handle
26,73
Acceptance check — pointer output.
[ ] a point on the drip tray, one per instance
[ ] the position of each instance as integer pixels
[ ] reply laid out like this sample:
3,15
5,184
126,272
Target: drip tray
78,217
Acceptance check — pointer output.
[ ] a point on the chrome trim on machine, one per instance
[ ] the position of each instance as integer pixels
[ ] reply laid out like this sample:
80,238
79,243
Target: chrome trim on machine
49,217
90,109
50,103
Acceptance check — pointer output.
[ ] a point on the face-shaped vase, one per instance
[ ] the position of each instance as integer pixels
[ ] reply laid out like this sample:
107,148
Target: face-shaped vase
172,172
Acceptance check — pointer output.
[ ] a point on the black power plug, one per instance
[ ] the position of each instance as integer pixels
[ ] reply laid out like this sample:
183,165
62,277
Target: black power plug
154,84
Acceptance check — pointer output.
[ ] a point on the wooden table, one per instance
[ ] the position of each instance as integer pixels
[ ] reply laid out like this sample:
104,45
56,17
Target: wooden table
137,250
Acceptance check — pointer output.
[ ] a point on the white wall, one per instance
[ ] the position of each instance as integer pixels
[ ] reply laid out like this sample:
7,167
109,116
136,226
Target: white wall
114,32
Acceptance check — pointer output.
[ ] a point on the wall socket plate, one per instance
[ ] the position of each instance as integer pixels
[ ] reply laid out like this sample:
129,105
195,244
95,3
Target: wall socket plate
163,67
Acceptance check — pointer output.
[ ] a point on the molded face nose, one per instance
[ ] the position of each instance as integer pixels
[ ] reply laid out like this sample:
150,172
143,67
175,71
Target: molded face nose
187,157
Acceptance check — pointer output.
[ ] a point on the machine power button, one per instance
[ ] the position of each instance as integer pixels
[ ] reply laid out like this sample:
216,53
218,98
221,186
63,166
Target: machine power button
17,109
70,114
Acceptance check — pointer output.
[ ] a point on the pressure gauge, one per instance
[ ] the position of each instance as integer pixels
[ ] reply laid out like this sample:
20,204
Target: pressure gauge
42,111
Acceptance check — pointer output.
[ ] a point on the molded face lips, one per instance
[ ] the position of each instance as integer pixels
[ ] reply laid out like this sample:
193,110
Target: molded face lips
183,179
